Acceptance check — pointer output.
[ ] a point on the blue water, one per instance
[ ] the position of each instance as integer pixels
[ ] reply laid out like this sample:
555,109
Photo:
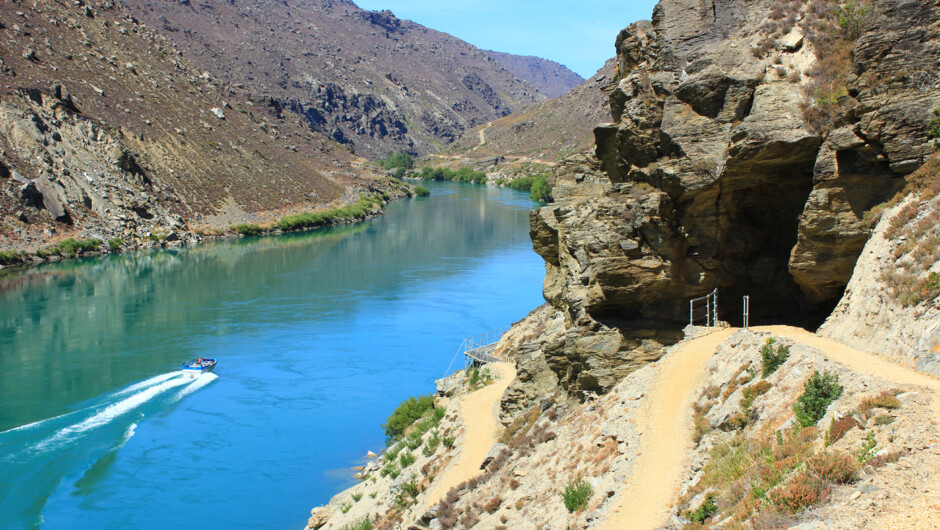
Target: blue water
318,335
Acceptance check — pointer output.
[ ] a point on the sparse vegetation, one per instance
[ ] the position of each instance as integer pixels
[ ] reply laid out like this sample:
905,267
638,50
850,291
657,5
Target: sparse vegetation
838,428
576,495
364,524
772,359
885,400
115,243
933,128
868,449
852,16
421,191
477,378
329,217
11,257
819,391
705,510
248,229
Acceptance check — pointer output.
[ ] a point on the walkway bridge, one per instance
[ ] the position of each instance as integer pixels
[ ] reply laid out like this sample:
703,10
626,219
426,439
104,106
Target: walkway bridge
478,350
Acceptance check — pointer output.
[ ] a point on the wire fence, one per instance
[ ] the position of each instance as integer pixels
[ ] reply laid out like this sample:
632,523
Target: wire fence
478,348
703,311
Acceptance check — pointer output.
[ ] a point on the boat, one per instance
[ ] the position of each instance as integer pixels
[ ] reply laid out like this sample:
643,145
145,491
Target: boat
199,366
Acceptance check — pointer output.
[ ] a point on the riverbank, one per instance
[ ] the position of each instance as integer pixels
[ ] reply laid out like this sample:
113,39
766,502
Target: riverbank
367,204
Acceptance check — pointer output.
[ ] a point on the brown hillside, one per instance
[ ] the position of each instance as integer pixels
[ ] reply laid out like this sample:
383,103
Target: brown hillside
365,79
106,127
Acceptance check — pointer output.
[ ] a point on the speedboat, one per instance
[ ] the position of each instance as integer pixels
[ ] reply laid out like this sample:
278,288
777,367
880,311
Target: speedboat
199,366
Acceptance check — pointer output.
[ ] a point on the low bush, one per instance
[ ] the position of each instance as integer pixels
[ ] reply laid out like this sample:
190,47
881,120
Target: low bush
406,459
834,467
838,428
406,414
771,359
705,510
801,491
11,257
71,247
576,495
818,392
887,458
363,524
115,243
750,393
885,400
493,504
421,191
400,160
868,449
328,217
448,441
248,229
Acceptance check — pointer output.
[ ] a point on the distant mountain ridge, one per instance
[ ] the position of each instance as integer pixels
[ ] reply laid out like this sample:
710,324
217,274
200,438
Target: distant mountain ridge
366,79
550,78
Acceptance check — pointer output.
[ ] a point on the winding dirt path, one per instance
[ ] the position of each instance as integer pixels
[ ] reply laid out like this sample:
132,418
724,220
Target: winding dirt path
666,430
480,413
666,435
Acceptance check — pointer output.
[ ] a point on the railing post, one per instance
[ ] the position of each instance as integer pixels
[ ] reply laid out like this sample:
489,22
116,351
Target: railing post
691,318
747,311
715,308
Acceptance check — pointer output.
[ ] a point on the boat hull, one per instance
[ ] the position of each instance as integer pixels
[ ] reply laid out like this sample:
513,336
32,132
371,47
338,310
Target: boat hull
195,368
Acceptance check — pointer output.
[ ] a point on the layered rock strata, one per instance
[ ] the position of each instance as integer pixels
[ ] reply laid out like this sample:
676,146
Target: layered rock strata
711,176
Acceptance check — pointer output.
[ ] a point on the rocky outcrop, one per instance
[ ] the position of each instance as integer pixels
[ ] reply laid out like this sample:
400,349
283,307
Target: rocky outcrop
712,176
885,308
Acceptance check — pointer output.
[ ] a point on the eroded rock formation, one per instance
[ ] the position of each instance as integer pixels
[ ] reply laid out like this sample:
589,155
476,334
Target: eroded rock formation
712,176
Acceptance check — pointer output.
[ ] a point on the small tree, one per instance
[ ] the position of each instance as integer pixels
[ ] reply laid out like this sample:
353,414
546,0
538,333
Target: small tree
852,17
933,129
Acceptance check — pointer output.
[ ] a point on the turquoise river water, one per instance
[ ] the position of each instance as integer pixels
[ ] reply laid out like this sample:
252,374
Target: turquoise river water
318,335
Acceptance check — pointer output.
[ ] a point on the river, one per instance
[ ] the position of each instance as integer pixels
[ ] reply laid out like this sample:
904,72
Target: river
318,335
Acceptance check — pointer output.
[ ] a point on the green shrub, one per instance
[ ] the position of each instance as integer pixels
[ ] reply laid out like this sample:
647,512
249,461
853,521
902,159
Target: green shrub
464,174
771,360
522,184
407,413
421,191
10,257
115,243
704,511
328,217
364,524
406,459
818,392
541,191
448,441
248,229
576,495
400,160
868,449
71,247
852,17
933,130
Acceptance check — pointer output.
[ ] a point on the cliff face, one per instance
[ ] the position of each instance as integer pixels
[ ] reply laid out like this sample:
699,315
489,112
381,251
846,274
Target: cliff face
726,166
365,79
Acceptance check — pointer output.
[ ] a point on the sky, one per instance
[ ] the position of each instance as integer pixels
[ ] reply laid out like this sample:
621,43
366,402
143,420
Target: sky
579,34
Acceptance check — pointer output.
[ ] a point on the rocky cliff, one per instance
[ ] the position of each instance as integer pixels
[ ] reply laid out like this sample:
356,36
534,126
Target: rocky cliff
748,141
367,80
107,132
